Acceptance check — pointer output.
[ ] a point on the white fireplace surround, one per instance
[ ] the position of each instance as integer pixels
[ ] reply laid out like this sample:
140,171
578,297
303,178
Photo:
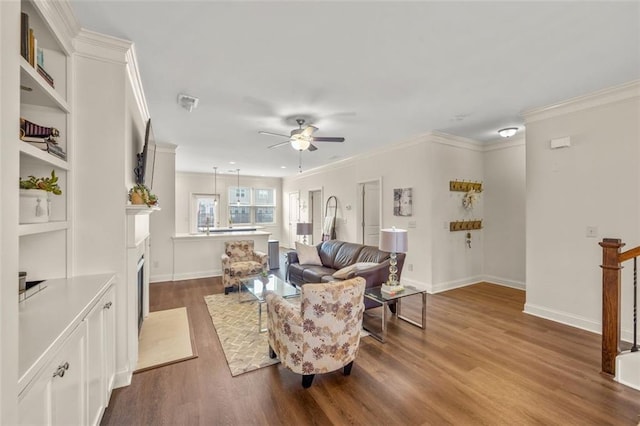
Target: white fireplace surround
137,247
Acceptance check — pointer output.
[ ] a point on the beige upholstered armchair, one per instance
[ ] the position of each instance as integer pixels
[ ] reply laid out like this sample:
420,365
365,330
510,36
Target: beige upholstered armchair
241,261
323,334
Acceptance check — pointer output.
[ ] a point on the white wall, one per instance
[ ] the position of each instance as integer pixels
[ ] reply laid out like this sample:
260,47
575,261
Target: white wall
592,183
454,263
504,205
162,223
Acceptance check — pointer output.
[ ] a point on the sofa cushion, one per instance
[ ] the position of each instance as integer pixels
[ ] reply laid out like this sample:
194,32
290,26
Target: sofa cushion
351,270
307,255
347,255
372,254
328,251
314,274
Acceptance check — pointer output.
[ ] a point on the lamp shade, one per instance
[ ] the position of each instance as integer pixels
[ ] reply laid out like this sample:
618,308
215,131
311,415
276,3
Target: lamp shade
394,240
304,229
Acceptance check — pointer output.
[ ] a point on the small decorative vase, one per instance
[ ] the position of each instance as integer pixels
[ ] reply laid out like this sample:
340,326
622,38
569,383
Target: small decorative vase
136,198
35,206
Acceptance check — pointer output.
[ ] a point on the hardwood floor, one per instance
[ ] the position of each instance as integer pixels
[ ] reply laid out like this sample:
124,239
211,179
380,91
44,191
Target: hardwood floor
480,361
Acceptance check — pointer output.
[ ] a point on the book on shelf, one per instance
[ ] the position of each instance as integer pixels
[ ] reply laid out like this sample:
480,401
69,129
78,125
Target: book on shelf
55,150
38,139
48,146
32,46
46,76
24,35
40,57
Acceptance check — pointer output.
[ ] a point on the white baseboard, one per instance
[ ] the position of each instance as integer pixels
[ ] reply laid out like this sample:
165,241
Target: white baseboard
160,278
450,285
519,285
628,369
196,275
122,379
417,284
563,318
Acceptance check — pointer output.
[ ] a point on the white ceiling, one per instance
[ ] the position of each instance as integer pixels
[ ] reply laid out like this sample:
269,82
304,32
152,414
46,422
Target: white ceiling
374,72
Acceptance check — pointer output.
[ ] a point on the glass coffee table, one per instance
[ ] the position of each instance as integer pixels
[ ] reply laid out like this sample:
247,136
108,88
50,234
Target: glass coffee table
375,293
257,287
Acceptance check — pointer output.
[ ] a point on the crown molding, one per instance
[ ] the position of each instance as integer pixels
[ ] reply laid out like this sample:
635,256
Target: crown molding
101,47
59,16
167,148
505,143
455,141
601,97
136,83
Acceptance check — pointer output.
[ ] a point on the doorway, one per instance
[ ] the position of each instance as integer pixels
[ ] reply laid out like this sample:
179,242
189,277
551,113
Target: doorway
294,217
315,214
369,208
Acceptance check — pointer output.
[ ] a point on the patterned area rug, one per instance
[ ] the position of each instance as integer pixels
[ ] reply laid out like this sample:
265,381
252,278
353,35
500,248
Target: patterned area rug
237,328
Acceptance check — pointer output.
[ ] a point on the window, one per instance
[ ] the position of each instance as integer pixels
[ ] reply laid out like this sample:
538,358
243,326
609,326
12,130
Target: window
265,205
252,205
205,212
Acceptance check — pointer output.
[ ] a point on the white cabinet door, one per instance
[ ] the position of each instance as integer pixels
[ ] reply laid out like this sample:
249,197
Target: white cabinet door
100,356
57,396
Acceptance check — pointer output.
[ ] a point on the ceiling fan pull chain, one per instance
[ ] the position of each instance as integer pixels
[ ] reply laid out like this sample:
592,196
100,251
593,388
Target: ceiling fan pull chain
300,162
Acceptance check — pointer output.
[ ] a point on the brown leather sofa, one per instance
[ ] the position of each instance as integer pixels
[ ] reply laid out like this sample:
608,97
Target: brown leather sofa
335,255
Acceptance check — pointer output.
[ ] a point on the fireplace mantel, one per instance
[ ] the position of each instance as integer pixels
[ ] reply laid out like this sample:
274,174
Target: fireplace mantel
137,217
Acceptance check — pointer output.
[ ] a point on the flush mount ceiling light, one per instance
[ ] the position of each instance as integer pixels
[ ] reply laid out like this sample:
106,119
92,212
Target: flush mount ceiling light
507,132
188,102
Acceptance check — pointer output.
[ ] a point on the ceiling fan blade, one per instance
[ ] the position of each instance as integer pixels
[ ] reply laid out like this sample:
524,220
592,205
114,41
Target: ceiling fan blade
279,144
262,132
312,147
308,131
327,139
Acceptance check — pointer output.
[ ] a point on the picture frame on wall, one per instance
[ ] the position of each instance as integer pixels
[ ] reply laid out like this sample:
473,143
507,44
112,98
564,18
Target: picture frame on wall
402,202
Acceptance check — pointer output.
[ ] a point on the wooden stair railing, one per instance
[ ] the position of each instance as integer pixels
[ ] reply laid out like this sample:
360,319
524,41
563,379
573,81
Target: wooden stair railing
612,259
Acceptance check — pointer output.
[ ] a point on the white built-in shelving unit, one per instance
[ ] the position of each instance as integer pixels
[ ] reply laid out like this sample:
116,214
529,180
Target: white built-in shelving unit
44,248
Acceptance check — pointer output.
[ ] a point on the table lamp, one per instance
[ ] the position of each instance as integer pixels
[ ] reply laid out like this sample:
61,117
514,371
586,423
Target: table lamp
393,241
304,229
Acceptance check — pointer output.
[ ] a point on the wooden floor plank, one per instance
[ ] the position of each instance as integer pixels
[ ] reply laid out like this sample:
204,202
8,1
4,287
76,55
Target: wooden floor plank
479,361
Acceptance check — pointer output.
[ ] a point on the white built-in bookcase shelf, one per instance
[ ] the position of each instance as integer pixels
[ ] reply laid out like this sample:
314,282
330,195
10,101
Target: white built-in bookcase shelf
45,248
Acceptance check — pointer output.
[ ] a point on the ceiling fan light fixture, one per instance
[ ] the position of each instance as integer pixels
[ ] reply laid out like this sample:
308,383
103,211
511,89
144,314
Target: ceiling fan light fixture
507,132
300,144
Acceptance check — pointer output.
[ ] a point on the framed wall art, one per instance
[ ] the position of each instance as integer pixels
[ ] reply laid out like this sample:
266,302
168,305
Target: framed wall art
402,202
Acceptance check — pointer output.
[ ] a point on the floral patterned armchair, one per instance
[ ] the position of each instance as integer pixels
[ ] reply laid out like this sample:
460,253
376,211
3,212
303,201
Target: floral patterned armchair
240,261
323,334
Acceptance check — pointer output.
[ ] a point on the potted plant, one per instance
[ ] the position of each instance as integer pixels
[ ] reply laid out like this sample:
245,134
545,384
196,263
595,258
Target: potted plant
140,194
35,202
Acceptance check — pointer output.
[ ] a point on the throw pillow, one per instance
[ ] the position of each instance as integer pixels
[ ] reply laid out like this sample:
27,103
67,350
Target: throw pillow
351,270
307,255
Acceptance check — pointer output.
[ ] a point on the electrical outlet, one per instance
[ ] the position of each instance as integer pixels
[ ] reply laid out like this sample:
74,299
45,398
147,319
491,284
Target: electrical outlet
412,224
156,264
410,267
592,232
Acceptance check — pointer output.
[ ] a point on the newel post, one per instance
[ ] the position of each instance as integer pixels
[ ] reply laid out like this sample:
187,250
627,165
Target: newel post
611,278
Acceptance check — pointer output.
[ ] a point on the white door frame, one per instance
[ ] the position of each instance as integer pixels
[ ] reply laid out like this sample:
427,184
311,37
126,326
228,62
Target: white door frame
310,217
360,211
293,218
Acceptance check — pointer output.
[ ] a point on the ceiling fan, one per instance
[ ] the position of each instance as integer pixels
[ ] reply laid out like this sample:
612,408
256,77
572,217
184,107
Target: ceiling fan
301,138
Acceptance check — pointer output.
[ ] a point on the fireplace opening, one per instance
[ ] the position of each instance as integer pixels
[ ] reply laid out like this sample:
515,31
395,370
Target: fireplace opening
140,293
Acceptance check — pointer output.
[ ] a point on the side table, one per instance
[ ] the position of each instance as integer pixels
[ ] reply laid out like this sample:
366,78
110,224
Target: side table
375,293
